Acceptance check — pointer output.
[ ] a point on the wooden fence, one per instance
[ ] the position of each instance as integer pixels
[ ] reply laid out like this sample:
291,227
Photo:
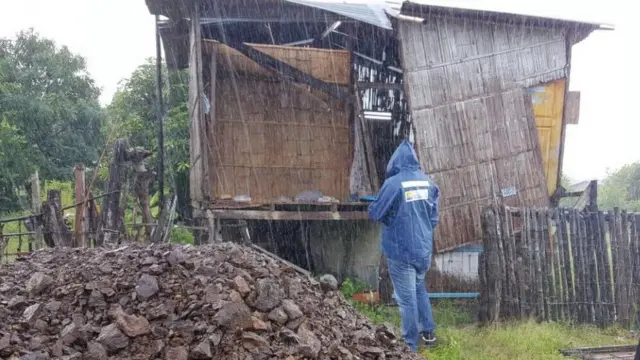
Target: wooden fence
560,265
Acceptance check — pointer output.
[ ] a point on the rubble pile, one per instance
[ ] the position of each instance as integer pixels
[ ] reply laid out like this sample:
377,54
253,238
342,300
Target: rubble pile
222,301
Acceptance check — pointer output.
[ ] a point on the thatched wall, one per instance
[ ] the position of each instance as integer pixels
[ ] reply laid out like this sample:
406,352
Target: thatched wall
475,130
275,139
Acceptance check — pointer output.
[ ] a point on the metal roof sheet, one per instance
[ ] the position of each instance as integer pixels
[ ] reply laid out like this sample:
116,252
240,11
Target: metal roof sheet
449,7
370,13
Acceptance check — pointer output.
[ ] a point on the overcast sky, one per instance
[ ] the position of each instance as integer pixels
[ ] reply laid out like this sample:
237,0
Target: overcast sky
116,36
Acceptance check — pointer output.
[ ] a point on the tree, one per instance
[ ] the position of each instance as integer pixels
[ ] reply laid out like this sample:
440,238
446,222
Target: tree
132,115
49,111
621,188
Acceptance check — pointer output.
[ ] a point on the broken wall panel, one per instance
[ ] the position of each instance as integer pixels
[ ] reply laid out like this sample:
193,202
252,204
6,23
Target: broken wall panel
276,139
332,66
474,122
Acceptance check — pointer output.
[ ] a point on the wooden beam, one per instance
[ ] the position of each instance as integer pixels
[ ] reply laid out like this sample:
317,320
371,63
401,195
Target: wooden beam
289,215
368,145
288,72
380,86
377,62
195,108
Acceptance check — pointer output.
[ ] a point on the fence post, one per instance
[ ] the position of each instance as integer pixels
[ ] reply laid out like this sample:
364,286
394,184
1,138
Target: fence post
36,203
490,268
78,172
618,265
54,224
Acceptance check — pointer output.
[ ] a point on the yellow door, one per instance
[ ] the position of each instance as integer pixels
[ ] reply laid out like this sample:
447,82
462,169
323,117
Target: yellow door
548,104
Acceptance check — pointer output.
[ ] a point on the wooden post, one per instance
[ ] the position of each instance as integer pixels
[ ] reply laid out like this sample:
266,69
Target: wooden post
604,272
54,226
93,220
562,264
537,265
618,266
197,150
635,251
575,266
78,172
36,202
160,116
110,232
598,280
590,276
490,267
510,304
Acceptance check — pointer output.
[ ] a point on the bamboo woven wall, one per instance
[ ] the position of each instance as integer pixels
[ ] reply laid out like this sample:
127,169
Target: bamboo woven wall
475,132
274,139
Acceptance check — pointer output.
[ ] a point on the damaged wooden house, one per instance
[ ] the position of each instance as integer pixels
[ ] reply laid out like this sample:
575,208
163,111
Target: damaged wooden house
297,105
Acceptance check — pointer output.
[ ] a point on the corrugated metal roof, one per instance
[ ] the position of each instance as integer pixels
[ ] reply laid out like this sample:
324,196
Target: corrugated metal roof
463,9
370,13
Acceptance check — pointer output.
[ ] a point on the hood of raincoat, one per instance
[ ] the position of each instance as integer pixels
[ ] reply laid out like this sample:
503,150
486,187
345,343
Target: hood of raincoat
404,158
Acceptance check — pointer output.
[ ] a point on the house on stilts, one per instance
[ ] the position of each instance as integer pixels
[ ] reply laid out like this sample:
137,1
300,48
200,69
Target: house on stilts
296,106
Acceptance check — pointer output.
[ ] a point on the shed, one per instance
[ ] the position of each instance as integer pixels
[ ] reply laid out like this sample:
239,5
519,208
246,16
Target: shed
297,105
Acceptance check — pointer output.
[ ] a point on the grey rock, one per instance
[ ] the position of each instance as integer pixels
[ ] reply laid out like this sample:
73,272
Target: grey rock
328,283
112,338
96,351
147,287
202,351
37,283
270,295
278,315
234,315
292,310
30,314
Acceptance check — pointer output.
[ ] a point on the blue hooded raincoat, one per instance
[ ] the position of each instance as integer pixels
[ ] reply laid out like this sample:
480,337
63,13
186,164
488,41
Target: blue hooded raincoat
407,207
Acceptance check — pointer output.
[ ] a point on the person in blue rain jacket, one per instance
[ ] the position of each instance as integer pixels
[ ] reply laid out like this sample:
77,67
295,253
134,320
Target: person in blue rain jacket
407,207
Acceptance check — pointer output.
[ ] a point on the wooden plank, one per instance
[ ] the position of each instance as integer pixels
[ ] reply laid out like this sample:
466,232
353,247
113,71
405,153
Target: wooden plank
288,72
380,86
572,112
290,215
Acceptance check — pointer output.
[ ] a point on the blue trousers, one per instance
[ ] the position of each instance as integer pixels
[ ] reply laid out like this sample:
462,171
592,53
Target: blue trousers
410,292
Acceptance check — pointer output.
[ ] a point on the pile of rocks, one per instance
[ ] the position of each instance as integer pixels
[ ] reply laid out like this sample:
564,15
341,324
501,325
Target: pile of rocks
222,301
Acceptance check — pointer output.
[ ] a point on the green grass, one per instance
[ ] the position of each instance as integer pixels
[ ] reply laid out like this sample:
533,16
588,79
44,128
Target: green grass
460,338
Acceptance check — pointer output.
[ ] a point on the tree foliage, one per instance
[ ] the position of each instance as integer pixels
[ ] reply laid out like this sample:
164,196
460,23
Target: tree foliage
132,114
50,117
621,188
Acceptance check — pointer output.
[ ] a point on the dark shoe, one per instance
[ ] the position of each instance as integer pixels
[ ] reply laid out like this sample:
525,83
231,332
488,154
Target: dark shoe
428,338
